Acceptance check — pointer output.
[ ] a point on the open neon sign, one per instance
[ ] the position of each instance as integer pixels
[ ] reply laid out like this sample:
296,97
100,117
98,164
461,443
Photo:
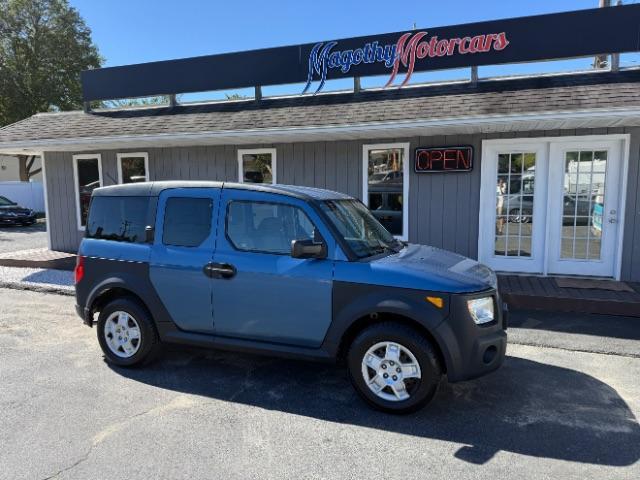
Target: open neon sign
444,159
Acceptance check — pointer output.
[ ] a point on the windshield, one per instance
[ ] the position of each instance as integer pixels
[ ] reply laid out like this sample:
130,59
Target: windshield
362,232
4,201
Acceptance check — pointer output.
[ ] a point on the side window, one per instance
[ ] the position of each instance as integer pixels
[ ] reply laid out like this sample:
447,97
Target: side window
187,221
266,227
87,171
133,167
120,219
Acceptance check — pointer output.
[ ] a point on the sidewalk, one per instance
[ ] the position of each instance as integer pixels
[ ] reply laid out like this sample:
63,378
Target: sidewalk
38,258
38,279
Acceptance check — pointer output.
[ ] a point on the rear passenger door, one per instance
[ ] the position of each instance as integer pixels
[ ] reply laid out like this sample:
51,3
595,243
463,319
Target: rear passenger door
183,246
268,295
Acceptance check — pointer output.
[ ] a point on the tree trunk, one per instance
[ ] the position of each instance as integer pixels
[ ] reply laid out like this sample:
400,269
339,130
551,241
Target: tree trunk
22,168
25,164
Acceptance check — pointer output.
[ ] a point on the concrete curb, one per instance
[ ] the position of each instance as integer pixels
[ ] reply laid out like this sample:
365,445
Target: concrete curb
38,288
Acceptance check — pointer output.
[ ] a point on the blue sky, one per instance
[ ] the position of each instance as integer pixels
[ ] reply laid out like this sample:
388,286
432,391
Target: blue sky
136,31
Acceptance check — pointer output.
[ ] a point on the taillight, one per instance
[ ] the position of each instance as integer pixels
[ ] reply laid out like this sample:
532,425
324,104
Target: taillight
79,270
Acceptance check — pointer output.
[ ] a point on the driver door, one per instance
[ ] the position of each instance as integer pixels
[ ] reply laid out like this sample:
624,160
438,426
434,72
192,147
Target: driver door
270,296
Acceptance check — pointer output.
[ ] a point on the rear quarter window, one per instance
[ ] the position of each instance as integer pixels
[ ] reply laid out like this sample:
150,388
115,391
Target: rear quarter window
120,219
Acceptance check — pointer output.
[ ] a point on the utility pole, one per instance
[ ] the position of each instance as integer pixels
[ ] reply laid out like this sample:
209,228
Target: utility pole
615,57
601,61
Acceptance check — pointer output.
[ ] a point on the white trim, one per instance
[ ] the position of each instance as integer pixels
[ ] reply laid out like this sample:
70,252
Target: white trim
608,117
46,200
405,179
622,204
625,141
256,151
76,187
559,139
120,156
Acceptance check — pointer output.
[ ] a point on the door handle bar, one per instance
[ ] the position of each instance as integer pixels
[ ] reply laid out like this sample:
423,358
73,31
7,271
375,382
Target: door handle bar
219,270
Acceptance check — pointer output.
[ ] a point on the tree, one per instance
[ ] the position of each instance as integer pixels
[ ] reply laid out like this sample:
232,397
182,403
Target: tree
138,102
25,164
44,45
235,96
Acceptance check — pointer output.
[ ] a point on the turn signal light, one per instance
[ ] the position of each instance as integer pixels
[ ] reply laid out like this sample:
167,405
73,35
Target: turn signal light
79,270
437,301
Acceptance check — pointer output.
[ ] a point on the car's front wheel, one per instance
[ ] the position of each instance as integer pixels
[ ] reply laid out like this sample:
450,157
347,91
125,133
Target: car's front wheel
394,368
126,333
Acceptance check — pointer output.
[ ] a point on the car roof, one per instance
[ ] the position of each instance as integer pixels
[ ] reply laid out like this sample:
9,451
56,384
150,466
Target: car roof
154,189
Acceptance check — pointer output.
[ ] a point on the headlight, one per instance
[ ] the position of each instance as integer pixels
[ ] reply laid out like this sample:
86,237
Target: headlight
481,309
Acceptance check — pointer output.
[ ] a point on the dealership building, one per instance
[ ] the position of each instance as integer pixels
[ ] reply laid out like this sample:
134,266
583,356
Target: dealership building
532,174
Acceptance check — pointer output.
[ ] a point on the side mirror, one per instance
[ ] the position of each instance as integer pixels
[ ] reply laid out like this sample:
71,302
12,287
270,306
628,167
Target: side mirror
308,249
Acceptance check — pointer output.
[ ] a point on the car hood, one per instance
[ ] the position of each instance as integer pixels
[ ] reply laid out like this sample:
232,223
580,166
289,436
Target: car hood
429,268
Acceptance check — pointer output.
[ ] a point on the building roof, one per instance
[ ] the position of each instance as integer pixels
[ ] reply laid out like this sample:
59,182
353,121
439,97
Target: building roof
154,188
250,121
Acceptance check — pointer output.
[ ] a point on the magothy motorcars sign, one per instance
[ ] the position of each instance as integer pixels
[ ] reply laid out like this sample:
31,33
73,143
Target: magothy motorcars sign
409,48
399,55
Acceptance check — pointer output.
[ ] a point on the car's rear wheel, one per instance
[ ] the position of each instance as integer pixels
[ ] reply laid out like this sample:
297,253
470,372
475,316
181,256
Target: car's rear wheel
394,368
126,333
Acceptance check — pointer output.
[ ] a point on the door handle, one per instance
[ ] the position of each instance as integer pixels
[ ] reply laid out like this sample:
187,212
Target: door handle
219,270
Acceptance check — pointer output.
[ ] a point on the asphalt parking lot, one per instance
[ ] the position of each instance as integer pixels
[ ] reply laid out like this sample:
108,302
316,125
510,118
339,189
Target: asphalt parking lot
14,238
550,412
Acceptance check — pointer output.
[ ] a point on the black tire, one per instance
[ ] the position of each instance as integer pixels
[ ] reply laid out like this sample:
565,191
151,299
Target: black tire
518,216
422,391
149,340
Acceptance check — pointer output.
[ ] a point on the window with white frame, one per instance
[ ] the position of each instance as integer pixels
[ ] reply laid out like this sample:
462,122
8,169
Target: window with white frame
257,165
87,176
385,186
133,167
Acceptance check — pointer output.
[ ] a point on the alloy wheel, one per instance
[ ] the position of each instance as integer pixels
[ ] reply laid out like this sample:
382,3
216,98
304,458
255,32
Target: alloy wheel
122,334
391,371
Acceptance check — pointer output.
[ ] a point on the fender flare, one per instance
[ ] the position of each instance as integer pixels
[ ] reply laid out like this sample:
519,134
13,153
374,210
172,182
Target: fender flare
426,316
132,284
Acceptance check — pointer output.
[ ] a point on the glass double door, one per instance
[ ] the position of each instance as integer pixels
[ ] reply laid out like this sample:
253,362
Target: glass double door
551,206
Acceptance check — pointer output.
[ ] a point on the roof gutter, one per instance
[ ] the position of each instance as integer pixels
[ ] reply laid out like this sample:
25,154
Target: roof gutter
477,124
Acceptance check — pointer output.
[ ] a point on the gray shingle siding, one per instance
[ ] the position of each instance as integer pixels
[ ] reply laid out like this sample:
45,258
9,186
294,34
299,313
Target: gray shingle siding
442,208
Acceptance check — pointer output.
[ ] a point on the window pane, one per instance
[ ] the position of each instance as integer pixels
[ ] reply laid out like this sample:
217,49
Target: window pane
257,168
515,193
88,181
385,181
267,227
187,221
122,219
375,201
584,178
133,169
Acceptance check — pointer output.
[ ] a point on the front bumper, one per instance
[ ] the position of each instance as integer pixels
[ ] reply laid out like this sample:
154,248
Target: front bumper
472,350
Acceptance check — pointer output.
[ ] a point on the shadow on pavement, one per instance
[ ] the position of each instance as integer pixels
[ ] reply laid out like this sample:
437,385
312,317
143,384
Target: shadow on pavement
526,407
36,227
50,277
583,323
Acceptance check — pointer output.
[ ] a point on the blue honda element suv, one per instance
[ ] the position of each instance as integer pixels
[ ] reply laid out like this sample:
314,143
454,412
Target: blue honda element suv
283,270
